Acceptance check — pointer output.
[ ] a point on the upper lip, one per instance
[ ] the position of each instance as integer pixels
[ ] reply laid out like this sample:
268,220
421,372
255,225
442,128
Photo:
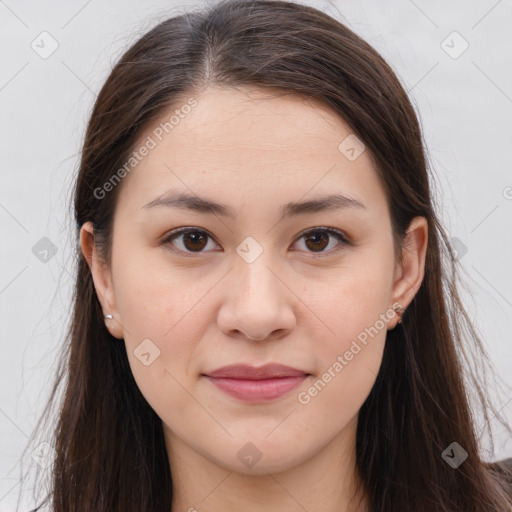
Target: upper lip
268,371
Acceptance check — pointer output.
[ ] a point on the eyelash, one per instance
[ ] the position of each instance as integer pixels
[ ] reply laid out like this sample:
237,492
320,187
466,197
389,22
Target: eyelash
340,236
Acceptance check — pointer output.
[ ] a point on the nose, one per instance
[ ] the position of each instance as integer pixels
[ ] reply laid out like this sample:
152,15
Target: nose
258,303
256,339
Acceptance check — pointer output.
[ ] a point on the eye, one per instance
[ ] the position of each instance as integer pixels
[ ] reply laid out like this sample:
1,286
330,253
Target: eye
193,240
317,239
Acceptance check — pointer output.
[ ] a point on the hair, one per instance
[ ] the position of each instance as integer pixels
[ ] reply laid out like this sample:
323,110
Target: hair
109,443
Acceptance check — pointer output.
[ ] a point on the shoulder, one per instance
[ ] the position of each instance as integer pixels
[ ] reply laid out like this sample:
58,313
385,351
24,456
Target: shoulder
505,463
502,469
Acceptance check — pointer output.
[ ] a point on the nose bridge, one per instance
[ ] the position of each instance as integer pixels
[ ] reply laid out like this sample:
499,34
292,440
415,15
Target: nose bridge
256,304
253,270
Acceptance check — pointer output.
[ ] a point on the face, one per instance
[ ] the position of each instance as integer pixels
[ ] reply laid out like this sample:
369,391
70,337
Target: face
260,280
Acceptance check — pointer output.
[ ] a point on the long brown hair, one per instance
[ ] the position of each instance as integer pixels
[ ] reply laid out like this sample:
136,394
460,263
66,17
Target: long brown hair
110,451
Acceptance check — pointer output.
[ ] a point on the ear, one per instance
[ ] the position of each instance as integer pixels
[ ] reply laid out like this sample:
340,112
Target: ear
102,278
411,270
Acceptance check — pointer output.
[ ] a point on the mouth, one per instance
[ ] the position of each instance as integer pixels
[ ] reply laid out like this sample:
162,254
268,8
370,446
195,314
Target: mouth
257,384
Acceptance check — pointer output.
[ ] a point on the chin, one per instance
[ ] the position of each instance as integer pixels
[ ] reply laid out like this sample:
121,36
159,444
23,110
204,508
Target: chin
252,458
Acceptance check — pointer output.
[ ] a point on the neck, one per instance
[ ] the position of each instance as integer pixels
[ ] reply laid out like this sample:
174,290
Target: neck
325,481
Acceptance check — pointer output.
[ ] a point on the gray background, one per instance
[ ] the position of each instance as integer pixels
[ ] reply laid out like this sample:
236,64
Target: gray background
465,106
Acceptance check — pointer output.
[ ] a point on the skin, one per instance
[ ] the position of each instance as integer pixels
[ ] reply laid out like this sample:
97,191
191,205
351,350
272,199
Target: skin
298,303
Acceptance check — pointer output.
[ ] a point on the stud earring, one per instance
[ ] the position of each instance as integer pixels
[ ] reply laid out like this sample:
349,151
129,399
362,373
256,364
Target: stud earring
399,310
108,317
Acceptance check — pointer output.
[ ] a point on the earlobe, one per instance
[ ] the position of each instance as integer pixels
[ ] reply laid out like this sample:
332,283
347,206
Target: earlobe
412,267
102,279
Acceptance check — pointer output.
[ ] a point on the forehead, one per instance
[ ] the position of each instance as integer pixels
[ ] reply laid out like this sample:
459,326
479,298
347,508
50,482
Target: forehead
248,143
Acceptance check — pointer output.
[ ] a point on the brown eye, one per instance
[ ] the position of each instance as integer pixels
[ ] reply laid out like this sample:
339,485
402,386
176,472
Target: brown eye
194,240
189,240
318,239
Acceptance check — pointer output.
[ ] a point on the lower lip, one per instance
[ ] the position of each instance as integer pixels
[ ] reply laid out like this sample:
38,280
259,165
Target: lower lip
255,391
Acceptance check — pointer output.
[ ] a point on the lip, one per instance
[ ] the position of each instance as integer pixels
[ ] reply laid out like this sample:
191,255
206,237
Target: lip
256,384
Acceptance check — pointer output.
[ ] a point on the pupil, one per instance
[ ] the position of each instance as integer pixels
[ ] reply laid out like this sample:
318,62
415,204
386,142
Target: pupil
316,236
196,238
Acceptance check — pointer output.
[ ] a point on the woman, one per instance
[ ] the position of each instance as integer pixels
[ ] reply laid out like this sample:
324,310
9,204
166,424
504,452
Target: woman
263,318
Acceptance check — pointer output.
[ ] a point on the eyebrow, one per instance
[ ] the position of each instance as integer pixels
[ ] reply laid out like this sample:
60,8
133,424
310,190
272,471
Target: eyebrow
203,205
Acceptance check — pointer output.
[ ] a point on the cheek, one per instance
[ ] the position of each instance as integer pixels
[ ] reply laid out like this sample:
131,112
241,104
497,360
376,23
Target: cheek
169,307
355,300
349,359
161,333
152,297
356,315
335,396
